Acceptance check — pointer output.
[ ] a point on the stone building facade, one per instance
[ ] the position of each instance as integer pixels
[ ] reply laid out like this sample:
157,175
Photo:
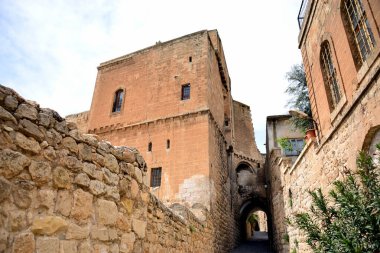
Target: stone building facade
172,101
340,45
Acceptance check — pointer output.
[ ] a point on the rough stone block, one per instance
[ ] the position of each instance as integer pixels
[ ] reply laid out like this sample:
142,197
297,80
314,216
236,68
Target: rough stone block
61,178
12,163
48,225
28,144
97,188
70,144
47,245
24,243
31,129
26,111
40,172
127,242
139,227
64,202
85,152
68,246
82,179
82,206
111,163
100,234
5,187
106,212
76,232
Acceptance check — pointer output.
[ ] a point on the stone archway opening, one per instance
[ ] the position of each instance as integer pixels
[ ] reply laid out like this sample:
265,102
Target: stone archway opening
253,220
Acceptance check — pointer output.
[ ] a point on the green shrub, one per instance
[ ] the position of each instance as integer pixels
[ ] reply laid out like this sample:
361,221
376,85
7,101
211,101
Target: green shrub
350,222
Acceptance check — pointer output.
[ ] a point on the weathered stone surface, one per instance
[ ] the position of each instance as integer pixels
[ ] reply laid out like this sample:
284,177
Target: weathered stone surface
48,225
68,246
47,245
10,103
100,234
61,127
127,204
109,177
82,179
139,227
127,241
31,129
61,178
21,193
100,248
91,170
85,152
17,220
4,235
28,144
5,189
71,125
76,232
111,163
146,180
72,163
134,188
5,115
49,154
82,206
129,156
26,111
114,248
112,192
70,144
24,243
84,247
127,168
90,139
40,172
44,119
106,212
97,188
64,202
12,163
123,222
138,175
46,199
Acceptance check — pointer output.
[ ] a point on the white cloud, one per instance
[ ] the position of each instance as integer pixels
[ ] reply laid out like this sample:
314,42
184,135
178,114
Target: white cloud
50,49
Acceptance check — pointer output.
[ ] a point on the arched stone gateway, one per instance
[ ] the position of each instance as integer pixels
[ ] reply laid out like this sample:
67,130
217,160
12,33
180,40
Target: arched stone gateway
256,206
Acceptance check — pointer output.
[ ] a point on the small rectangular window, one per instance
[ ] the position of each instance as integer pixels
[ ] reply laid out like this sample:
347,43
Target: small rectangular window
150,147
296,147
155,177
190,59
167,144
185,92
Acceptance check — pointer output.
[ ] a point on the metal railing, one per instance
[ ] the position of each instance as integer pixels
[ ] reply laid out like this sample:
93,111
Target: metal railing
301,13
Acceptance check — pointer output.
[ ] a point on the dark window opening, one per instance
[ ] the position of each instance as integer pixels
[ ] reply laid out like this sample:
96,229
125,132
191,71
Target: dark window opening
155,178
167,144
360,30
118,101
330,76
185,92
150,147
190,59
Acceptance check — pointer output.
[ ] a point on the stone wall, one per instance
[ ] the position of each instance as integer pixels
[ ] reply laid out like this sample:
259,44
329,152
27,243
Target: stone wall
62,191
318,166
80,119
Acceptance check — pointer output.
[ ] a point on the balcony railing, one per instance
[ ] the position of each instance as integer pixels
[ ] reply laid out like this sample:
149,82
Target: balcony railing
301,13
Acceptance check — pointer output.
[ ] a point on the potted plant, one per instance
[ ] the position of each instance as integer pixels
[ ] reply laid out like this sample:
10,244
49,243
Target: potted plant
285,144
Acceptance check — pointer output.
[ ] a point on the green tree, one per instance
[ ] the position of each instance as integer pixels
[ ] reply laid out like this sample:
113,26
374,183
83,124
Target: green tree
350,222
299,96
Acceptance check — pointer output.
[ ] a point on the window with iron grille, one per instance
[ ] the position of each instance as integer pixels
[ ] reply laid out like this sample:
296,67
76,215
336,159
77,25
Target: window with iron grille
155,177
296,147
185,92
355,13
330,76
118,101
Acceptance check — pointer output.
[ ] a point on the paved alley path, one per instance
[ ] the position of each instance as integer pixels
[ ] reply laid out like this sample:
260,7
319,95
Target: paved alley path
259,244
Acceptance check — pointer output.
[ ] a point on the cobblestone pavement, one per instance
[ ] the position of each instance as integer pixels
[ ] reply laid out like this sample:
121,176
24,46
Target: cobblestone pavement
259,244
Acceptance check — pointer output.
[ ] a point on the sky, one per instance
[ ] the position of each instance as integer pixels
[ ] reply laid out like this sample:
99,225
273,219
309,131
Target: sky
49,49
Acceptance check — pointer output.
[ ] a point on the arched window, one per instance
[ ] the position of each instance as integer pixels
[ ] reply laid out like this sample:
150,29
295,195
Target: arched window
330,76
118,101
358,30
